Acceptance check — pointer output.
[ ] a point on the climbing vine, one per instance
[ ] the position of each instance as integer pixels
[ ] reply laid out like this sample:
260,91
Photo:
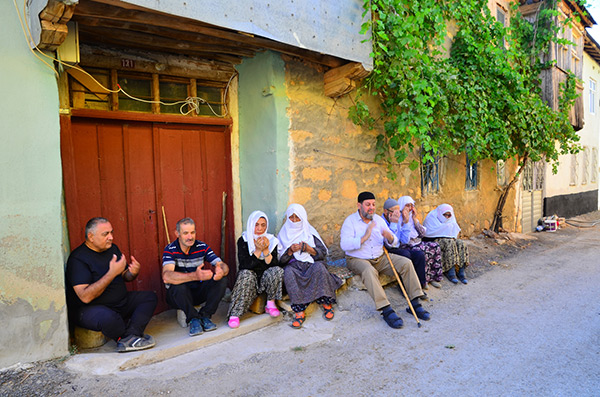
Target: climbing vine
477,93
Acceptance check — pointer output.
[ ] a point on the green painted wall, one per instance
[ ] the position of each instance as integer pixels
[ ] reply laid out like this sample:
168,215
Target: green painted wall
264,150
32,299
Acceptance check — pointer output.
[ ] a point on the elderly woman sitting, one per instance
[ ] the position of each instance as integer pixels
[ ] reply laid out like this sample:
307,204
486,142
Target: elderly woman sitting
259,270
306,278
441,227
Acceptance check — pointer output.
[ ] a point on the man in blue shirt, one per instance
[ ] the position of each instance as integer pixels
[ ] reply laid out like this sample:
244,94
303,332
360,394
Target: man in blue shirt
188,284
363,235
393,218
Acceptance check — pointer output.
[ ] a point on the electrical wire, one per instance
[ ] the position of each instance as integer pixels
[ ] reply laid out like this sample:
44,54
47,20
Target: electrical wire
25,34
193,102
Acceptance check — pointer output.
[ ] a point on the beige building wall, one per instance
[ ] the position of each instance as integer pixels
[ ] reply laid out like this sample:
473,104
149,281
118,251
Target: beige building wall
577,173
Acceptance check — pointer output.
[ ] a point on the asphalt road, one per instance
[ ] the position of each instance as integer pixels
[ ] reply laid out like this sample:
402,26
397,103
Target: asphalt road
529,325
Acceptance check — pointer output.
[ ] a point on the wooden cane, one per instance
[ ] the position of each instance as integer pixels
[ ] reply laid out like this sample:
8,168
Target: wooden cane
223,223
402,288
165,222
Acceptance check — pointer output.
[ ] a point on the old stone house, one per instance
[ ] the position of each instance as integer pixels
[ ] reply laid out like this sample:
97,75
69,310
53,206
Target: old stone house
266,125
573,190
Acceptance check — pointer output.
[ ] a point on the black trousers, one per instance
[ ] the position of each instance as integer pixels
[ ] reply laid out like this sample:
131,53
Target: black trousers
187,295
129,318
418,259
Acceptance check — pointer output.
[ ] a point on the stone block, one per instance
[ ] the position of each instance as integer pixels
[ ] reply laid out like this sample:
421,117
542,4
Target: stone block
88,339
258,306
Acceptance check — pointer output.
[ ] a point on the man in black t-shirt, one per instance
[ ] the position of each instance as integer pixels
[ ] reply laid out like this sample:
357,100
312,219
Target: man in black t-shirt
96,275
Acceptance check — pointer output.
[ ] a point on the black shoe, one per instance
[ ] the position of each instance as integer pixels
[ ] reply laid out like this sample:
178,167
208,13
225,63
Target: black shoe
391,318
207,325
461,275
451,275
420,312
195,327
132,343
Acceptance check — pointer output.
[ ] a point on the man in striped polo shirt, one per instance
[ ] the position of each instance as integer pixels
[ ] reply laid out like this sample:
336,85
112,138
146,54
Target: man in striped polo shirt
188,284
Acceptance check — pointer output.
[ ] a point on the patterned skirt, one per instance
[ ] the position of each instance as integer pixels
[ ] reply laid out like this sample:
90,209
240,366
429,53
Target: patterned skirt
454,253
433,259
306,282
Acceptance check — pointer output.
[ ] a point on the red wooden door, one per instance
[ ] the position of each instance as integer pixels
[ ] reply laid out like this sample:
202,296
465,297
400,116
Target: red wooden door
127,172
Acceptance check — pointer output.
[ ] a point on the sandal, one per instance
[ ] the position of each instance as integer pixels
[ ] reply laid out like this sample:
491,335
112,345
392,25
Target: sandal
328,312
299,318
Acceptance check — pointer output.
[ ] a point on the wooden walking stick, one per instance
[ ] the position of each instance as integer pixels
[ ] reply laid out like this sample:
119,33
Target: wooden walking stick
402,288
223,223
166,228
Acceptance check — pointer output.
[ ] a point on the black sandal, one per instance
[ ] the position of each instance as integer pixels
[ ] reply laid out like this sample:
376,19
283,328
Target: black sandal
299,318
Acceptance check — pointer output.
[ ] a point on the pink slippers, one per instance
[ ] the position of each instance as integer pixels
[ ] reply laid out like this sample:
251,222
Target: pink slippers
234,322
272,309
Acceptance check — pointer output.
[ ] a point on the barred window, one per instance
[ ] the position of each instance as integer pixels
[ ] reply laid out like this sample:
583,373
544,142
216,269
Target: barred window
470,174
430,175
501,173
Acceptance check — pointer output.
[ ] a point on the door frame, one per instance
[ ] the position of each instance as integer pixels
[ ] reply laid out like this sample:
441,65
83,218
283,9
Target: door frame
69,172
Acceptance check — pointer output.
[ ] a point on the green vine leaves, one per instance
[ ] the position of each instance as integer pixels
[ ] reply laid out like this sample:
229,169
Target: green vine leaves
477,92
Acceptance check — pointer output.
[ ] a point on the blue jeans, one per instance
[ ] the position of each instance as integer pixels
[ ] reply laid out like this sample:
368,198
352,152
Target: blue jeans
129,318
417,258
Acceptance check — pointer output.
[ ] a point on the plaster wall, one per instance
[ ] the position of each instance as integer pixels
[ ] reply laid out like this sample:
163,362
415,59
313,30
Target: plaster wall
32,298
331,161
263,137
559,184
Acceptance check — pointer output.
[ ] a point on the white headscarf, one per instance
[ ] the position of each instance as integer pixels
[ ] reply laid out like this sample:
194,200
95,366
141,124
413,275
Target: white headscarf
298,232
402,202
249,235
438,225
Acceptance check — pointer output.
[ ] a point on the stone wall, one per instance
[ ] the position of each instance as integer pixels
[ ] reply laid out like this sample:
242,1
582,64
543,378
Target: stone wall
332,160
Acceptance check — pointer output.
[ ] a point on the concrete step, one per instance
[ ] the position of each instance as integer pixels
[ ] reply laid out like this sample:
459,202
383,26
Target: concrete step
171,340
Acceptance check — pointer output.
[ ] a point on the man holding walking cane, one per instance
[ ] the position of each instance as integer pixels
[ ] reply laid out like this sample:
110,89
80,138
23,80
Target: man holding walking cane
363,236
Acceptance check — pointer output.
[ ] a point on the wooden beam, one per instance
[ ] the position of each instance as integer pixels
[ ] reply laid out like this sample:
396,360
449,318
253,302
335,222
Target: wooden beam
99,9
160,118
342,80
172,32
53,24
125,44
173,65
90,83
53,34
164,44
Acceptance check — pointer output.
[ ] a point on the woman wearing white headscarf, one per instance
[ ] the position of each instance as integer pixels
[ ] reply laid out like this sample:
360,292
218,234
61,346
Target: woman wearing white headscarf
411,234
441,227
306,279
259,270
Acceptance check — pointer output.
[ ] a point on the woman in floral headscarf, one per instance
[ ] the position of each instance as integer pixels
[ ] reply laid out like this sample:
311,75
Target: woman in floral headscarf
441,227
259,271
306,277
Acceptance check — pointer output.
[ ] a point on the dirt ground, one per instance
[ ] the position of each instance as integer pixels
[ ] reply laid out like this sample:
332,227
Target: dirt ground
528,323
